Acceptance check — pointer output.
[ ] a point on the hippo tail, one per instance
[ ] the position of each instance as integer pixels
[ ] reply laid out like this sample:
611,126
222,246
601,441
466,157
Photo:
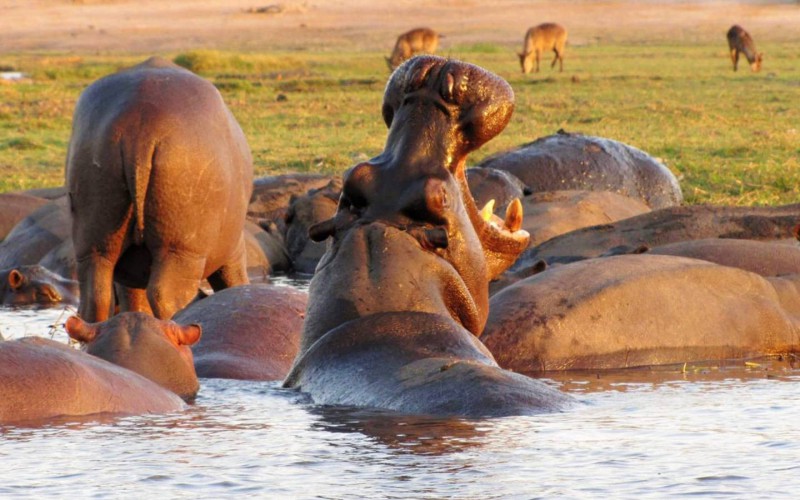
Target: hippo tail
137,163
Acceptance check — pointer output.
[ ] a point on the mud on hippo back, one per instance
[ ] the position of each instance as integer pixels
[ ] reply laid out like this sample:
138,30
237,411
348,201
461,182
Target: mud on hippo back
159,176
400,295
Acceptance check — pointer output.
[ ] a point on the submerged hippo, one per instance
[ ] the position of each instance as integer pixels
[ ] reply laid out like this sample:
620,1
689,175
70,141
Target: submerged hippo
14,207
641,310
304,211
273,194
667,225
487,184
42,379
37,286
581,162
156,207
154,348
36,235
250,332
400,295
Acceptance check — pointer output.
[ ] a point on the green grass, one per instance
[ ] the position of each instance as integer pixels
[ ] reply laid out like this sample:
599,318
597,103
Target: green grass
730,137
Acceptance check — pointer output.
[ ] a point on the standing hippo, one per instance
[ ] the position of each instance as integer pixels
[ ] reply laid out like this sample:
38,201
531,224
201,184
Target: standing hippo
400,295
641,310
38,286
159,176
41,379
581,162
250,332
153,348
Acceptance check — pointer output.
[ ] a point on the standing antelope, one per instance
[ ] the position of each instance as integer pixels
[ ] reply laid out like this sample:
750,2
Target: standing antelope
546,36
740,41
411,43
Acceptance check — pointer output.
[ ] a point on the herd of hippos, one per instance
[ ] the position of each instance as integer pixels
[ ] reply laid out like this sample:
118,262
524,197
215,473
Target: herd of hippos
434,285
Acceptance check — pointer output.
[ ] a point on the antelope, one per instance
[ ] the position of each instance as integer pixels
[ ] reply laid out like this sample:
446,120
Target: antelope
546,36
740,41
411,43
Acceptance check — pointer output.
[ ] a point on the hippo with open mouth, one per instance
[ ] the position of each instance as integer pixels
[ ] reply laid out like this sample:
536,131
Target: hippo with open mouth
399,297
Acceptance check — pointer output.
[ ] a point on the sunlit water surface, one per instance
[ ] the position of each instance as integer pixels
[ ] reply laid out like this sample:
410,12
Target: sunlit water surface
730,432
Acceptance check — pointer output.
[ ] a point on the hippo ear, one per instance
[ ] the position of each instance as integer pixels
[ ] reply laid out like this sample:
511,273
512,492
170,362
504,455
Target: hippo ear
79,330
15,279
187,334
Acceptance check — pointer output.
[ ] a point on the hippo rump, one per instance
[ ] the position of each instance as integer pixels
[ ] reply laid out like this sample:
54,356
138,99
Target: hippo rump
565,161
766,258
156,208
250,332
41,379
153,348
664,226
36,286
14,207
400,295
641,310
551,213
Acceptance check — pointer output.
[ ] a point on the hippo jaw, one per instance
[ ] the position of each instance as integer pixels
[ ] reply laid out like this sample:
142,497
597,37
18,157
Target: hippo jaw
438,111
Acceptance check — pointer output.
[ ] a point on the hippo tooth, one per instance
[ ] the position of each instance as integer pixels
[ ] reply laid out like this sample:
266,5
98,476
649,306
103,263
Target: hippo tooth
514,216
488,210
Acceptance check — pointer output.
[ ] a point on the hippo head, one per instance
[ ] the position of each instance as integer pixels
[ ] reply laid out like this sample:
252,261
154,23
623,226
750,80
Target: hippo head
36,285
154,348
407,235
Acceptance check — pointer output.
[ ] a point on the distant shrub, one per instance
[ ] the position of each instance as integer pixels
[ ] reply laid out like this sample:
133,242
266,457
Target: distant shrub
215,62
19,143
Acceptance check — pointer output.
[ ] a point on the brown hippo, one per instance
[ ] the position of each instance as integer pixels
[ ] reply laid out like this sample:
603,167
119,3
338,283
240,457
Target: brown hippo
51,193
41,379
640,310
36,235
159,176
14,207
399,296
272,194
250,332
667,225
565,161
761,257
551,213
487,184
154,348
304,211
38,286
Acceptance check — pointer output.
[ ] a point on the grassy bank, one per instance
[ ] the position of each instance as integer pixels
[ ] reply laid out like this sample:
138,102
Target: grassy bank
730,137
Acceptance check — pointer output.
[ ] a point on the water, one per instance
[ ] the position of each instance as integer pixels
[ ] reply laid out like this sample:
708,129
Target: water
710,432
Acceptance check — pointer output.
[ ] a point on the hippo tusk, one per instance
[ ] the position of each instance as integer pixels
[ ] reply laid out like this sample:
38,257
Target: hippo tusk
487,211
514,216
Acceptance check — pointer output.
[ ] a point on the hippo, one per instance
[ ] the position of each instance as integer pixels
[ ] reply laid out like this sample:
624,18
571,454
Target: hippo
304,211
154,348
156,208
272,194
41,379
36,286
250,332
48,193
487,184
766,258
14,207
667,225
36,235
565,161
641,310
552,213
397,301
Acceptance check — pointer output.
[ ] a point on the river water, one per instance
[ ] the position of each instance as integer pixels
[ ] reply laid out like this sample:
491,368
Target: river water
680,432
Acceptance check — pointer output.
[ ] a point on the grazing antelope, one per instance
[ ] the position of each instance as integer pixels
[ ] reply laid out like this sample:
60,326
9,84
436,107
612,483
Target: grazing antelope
740,41
546,36
411,43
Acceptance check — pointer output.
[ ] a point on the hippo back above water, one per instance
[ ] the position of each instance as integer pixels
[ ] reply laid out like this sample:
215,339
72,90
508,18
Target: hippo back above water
159,176
581,162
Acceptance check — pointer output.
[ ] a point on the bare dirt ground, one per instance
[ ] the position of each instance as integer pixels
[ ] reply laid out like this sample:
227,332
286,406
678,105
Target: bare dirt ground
152,26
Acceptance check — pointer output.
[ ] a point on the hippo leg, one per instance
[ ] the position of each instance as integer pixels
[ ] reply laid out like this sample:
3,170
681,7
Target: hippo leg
174,282
232,273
